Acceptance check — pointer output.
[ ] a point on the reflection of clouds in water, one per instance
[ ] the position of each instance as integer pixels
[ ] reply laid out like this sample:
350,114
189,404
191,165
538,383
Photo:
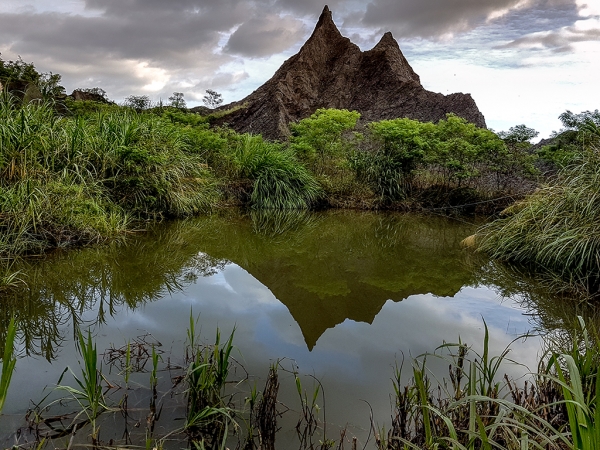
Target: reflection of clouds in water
354,360
218,279
422,323
249,288
265,330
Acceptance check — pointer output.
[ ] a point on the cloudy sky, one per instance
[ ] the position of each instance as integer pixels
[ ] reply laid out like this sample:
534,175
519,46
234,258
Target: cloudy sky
524,61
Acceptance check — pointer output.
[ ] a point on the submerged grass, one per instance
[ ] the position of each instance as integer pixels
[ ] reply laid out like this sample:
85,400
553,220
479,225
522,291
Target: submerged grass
473,409
8,361
209,416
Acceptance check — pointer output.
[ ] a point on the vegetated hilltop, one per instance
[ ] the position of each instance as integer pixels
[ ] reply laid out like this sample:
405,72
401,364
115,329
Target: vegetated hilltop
330,71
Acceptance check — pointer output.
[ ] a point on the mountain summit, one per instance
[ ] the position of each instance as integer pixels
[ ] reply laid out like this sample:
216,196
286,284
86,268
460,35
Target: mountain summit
330,71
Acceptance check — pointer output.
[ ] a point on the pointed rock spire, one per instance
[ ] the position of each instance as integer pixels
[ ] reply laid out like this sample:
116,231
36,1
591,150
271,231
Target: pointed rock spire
326,43
388,50
325,16
326,26
387,41
330,71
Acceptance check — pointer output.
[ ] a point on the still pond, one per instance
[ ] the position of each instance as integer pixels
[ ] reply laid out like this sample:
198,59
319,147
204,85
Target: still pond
339,296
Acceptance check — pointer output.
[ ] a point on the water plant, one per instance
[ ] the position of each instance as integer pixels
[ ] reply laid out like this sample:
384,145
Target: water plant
471,409
8,361
90,396
209,417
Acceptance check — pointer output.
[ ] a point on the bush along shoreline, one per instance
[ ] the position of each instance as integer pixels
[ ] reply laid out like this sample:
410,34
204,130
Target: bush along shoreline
102,169
555,231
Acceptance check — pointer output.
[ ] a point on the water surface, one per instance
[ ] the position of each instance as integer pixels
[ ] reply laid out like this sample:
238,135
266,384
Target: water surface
339,295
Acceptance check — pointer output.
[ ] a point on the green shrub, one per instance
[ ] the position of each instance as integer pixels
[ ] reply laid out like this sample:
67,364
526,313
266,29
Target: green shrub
394,149
462,150
322,135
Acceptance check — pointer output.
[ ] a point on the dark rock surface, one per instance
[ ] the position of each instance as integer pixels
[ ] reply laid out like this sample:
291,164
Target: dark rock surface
330,71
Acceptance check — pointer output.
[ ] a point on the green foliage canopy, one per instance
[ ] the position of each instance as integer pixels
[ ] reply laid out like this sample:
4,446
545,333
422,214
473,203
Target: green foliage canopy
322,133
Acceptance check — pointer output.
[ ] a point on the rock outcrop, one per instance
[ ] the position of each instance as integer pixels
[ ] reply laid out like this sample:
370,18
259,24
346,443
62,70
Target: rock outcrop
330,71
94,95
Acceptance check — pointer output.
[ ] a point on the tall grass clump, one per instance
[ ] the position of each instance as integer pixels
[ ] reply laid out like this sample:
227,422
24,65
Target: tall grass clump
150,167
208,414
279,181
575,371
556,229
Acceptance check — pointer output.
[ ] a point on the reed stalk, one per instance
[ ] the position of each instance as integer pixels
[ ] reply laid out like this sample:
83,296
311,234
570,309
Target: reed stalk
8,361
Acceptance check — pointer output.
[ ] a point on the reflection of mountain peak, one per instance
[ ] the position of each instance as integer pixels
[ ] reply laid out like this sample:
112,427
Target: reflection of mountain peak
316,313
347,266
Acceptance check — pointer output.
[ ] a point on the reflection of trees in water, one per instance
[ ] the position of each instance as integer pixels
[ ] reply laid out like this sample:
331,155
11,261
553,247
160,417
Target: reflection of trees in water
552,309
64,286
325,267
274,223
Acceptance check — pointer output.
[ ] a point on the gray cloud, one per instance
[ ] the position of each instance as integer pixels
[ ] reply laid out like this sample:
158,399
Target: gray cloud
557,40
265,36
123,49
433,19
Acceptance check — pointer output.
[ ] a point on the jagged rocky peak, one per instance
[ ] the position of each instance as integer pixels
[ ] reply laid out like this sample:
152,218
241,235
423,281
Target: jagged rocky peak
387,50
326,40
330,71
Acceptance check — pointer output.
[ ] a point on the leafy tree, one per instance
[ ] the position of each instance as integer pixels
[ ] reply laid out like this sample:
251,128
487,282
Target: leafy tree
322,133
138,102
18,70
394,150
405,139
462,149
578,133
519,134
515,160
49,85
94,91
177,100
212,99
573,121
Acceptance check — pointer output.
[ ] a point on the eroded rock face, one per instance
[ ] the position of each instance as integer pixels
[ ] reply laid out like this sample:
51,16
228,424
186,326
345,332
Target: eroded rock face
330,71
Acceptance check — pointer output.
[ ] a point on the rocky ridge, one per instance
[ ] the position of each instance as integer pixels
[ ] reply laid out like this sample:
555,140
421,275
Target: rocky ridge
330,71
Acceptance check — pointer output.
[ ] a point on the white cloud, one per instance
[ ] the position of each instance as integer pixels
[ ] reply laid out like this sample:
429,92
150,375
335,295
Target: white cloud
534,94
589,7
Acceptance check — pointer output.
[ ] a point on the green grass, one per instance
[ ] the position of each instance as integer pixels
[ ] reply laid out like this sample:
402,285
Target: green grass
88,394
87,178
279,180
209,415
